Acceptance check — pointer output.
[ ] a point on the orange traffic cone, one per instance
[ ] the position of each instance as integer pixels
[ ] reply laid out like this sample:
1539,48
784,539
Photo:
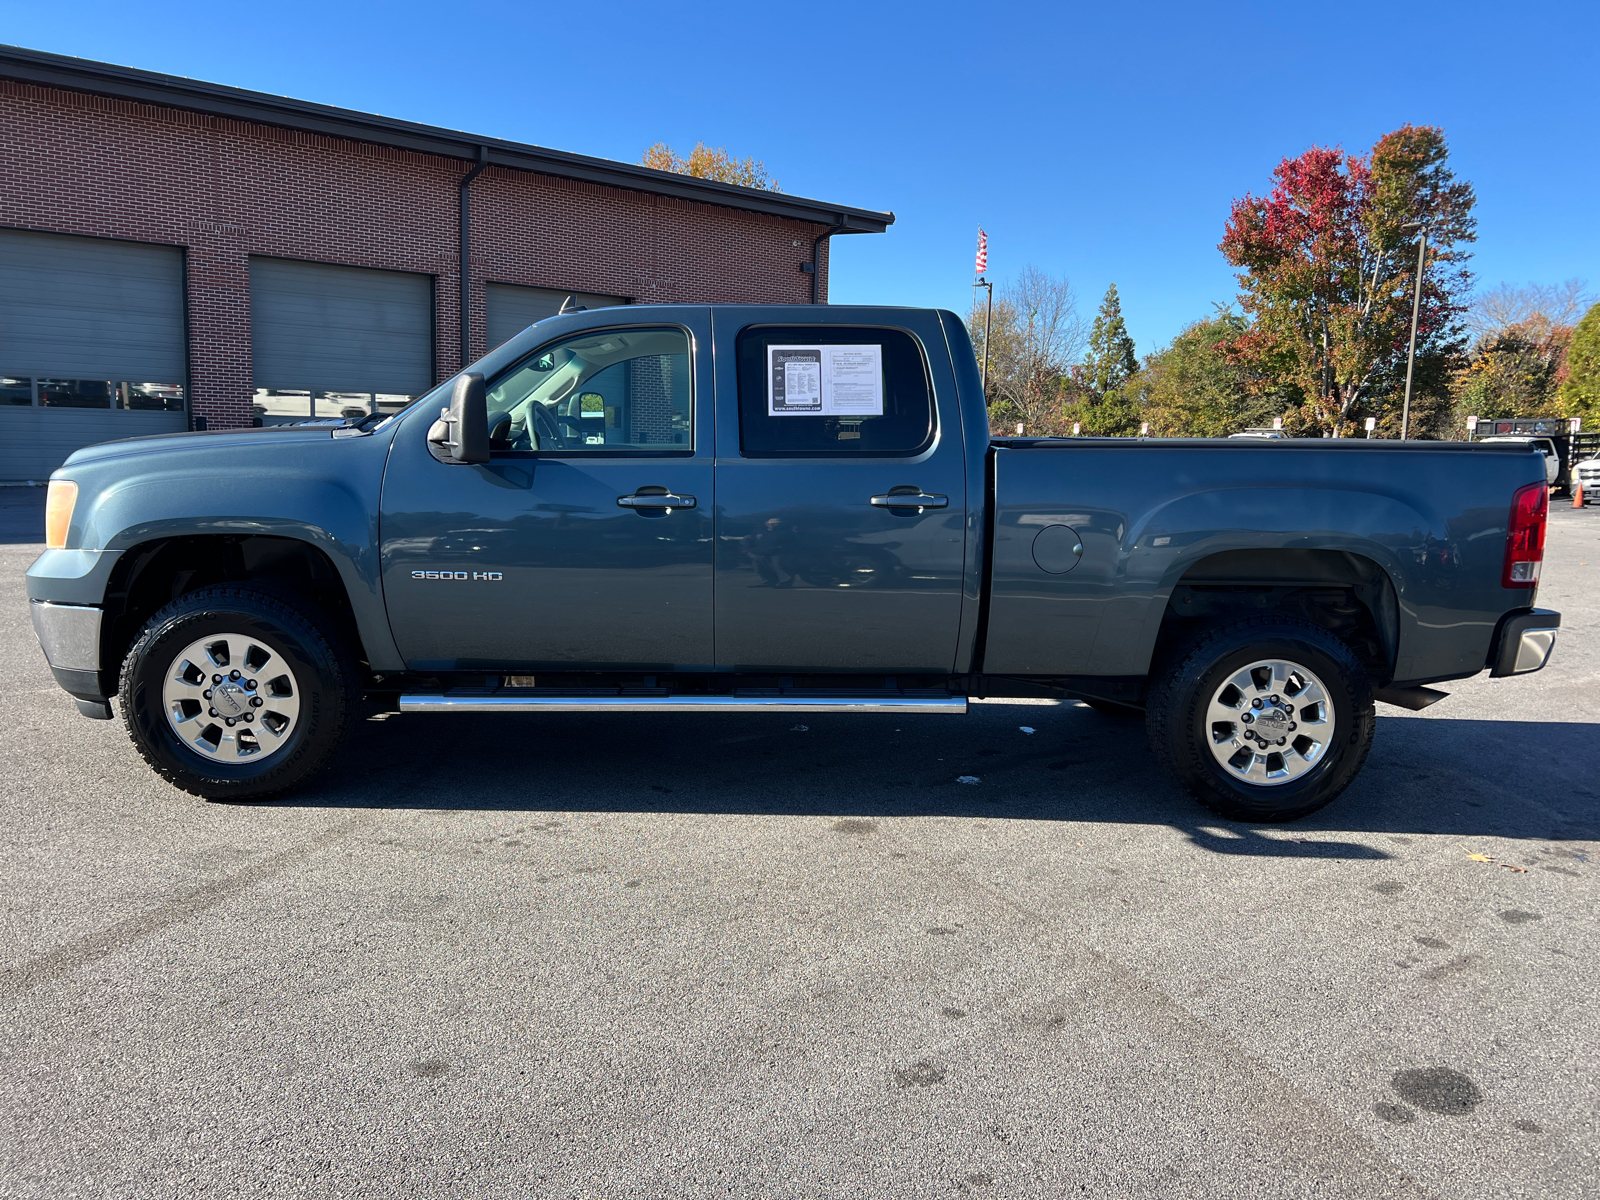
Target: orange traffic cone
1577,496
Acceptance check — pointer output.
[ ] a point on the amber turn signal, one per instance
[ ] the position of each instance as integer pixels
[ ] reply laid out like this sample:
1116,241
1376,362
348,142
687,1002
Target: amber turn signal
58,512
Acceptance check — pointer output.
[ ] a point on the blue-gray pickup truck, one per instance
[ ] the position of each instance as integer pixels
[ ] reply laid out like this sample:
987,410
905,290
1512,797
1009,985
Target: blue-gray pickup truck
774,508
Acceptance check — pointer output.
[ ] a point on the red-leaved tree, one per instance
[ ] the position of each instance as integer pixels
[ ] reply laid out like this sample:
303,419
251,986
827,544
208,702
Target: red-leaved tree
1327,266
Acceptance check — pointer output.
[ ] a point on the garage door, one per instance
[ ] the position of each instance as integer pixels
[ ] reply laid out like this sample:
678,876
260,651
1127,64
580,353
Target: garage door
513,308
332,341
92,346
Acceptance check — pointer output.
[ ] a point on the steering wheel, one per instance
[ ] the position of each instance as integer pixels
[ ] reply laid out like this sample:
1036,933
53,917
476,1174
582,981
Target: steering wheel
545,429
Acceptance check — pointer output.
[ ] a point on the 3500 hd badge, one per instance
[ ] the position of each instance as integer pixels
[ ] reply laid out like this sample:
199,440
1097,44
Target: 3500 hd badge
489,576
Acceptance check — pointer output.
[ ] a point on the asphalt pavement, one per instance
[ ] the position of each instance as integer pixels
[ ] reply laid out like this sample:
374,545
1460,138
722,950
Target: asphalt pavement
642,956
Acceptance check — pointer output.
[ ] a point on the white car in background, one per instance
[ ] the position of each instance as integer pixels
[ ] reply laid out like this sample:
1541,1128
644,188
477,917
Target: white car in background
1587,476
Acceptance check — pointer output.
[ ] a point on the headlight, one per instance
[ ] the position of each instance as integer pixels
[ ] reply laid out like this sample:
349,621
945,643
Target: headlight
58,507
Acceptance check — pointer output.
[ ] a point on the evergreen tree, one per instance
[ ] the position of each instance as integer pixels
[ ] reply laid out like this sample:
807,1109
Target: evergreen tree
1111,360
1580,392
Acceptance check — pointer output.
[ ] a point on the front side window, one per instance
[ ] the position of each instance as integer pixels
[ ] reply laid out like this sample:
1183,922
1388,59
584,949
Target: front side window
607,391
830,390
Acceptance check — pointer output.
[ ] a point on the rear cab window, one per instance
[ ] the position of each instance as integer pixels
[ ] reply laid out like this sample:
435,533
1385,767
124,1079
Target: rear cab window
833,391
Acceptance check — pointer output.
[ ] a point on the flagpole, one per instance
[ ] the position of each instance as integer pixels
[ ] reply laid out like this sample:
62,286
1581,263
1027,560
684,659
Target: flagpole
988,320
981,269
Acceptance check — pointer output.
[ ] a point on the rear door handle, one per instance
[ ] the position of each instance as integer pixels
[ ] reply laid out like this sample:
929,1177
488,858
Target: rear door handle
916,500
666,500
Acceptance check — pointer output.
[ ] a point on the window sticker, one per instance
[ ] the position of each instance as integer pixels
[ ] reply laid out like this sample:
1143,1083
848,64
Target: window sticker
825,381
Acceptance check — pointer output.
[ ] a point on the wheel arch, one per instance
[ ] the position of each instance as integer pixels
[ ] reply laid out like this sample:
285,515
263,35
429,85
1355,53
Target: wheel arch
151,574
1348,592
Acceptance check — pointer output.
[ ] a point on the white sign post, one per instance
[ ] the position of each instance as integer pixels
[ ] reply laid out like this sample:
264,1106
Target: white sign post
1144,429
1372,423
1277,422
1472,428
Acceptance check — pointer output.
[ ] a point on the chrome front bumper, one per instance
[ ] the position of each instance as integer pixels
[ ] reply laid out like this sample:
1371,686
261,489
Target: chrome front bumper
1524,642
69,634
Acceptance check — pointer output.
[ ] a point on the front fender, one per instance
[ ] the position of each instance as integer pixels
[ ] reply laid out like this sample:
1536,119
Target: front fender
320,490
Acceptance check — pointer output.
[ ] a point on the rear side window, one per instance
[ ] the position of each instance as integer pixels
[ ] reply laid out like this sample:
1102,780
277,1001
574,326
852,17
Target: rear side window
820,390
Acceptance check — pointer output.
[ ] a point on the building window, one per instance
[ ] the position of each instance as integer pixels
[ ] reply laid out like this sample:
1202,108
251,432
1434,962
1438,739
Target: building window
104,394
286,406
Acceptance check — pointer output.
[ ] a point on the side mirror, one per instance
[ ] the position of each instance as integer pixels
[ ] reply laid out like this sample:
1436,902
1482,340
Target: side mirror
461,434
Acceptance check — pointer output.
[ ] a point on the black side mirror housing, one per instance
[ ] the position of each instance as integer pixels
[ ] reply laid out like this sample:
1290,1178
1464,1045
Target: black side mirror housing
461,434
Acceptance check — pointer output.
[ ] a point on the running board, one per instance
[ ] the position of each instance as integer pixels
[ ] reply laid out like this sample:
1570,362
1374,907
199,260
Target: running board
468,702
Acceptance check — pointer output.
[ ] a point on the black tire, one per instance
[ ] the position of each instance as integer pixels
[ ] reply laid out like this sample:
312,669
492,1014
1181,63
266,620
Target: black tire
309,642
1175,718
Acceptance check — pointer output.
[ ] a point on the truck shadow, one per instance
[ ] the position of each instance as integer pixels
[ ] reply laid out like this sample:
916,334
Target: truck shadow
1425,776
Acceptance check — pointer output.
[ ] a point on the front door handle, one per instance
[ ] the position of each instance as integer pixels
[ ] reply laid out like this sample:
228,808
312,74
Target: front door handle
653,499
914,498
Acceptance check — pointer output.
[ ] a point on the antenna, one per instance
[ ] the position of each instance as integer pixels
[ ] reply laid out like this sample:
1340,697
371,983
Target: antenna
570,305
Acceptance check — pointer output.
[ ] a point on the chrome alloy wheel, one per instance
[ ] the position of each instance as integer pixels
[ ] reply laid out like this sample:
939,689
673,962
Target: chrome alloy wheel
231,697
1270,723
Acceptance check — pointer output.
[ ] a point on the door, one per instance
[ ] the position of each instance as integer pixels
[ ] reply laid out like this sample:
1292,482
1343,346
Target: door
584,544
92,346
841,499
510,308
332,341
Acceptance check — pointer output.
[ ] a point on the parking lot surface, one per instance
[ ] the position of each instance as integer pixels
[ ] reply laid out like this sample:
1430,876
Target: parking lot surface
643,956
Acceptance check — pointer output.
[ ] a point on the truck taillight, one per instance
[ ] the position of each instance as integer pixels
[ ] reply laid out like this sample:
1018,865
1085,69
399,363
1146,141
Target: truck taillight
1525,536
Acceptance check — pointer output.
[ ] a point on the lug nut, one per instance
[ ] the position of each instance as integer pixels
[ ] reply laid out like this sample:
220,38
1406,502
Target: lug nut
216,679
1292,727
213,712
230,722
256,701
251,684
1281,741
1255,703
206,695
235,675
249,716
1270,699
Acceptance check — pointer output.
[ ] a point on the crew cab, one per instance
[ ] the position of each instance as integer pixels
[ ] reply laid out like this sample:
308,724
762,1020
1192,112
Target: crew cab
777,509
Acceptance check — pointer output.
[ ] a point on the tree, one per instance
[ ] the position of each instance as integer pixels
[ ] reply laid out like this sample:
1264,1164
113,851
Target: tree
707,163
1195,388
1580,391
1538,308
1327,270
1111,360
1514,373
1034,336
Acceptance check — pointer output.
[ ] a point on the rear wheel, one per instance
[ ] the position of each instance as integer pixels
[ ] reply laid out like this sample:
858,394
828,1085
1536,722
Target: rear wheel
235,692
1264,719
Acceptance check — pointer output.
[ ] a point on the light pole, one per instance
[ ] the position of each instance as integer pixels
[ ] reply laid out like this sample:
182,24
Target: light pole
1416,303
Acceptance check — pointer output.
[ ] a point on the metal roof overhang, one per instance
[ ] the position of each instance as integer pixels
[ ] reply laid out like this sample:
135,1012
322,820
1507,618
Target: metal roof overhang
175,91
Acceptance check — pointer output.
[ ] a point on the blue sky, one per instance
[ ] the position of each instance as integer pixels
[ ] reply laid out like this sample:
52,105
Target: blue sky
1099,142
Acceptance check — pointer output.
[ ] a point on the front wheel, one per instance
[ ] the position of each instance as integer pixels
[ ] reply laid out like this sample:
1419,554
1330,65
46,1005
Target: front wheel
234,692
1263,719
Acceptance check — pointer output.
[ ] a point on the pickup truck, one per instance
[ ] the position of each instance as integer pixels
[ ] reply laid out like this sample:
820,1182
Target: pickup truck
788,509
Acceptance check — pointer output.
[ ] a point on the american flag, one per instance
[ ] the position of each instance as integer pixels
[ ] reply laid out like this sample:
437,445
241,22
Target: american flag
982,263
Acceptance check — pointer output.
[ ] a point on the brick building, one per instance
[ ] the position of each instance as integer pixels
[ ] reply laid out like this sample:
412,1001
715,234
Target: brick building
173,252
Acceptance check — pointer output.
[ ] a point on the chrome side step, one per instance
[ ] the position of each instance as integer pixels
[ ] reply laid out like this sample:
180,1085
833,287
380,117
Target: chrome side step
490,702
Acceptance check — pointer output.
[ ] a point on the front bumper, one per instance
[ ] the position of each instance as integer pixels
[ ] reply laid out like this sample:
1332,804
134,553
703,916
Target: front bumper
1524,642
69,635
